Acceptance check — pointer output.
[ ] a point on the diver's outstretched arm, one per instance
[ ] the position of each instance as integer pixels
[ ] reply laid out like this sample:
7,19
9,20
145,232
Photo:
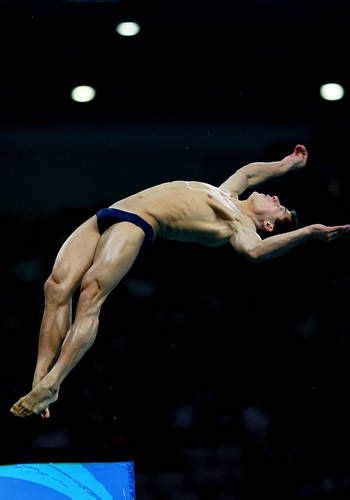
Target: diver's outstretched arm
250,245
255,173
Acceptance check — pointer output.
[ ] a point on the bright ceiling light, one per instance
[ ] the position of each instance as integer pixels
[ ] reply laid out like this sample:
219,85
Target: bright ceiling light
83,93
127,29
332,91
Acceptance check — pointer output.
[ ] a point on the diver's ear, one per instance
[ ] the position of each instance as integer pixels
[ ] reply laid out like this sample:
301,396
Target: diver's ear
268,225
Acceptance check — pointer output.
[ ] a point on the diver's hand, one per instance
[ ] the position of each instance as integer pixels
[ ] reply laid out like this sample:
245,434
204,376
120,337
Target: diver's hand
328,233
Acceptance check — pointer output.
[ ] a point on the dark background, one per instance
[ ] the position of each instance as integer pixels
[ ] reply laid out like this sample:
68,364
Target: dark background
219,379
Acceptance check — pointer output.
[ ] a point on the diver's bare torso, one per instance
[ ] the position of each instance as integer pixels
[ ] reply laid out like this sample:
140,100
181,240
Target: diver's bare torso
188,211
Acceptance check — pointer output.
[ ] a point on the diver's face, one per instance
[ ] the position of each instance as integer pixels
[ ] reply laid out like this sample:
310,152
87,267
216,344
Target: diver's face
268,209
265,204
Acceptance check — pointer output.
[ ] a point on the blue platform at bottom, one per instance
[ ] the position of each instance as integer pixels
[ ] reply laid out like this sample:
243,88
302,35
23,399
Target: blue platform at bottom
59,481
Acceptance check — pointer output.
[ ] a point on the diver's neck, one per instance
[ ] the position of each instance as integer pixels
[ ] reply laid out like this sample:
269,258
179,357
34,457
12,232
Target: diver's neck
246,208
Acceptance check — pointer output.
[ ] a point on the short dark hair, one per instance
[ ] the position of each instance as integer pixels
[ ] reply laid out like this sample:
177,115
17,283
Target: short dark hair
286,224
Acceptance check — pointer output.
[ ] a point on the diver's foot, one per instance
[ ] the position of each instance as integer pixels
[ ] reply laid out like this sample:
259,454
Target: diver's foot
36,401
38,376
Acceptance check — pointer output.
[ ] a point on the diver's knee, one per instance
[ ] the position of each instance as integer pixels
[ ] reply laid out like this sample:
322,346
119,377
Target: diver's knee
56,291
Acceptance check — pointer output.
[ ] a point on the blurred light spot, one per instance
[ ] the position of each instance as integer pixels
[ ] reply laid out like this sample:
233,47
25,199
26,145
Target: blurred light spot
170,481
214,301
28,270
183,416
209,474
346,483
140,288
176,316
121,342
256,421
83,93
229,454
327,485
331,91
307,489
58,438
334,187
127,29
307,326
225,420
197,455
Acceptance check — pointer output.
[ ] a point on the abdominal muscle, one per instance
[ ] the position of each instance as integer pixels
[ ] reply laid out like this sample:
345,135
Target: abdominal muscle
186,211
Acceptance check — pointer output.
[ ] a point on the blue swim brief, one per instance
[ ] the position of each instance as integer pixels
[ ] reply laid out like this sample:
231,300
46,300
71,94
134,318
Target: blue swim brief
108,216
